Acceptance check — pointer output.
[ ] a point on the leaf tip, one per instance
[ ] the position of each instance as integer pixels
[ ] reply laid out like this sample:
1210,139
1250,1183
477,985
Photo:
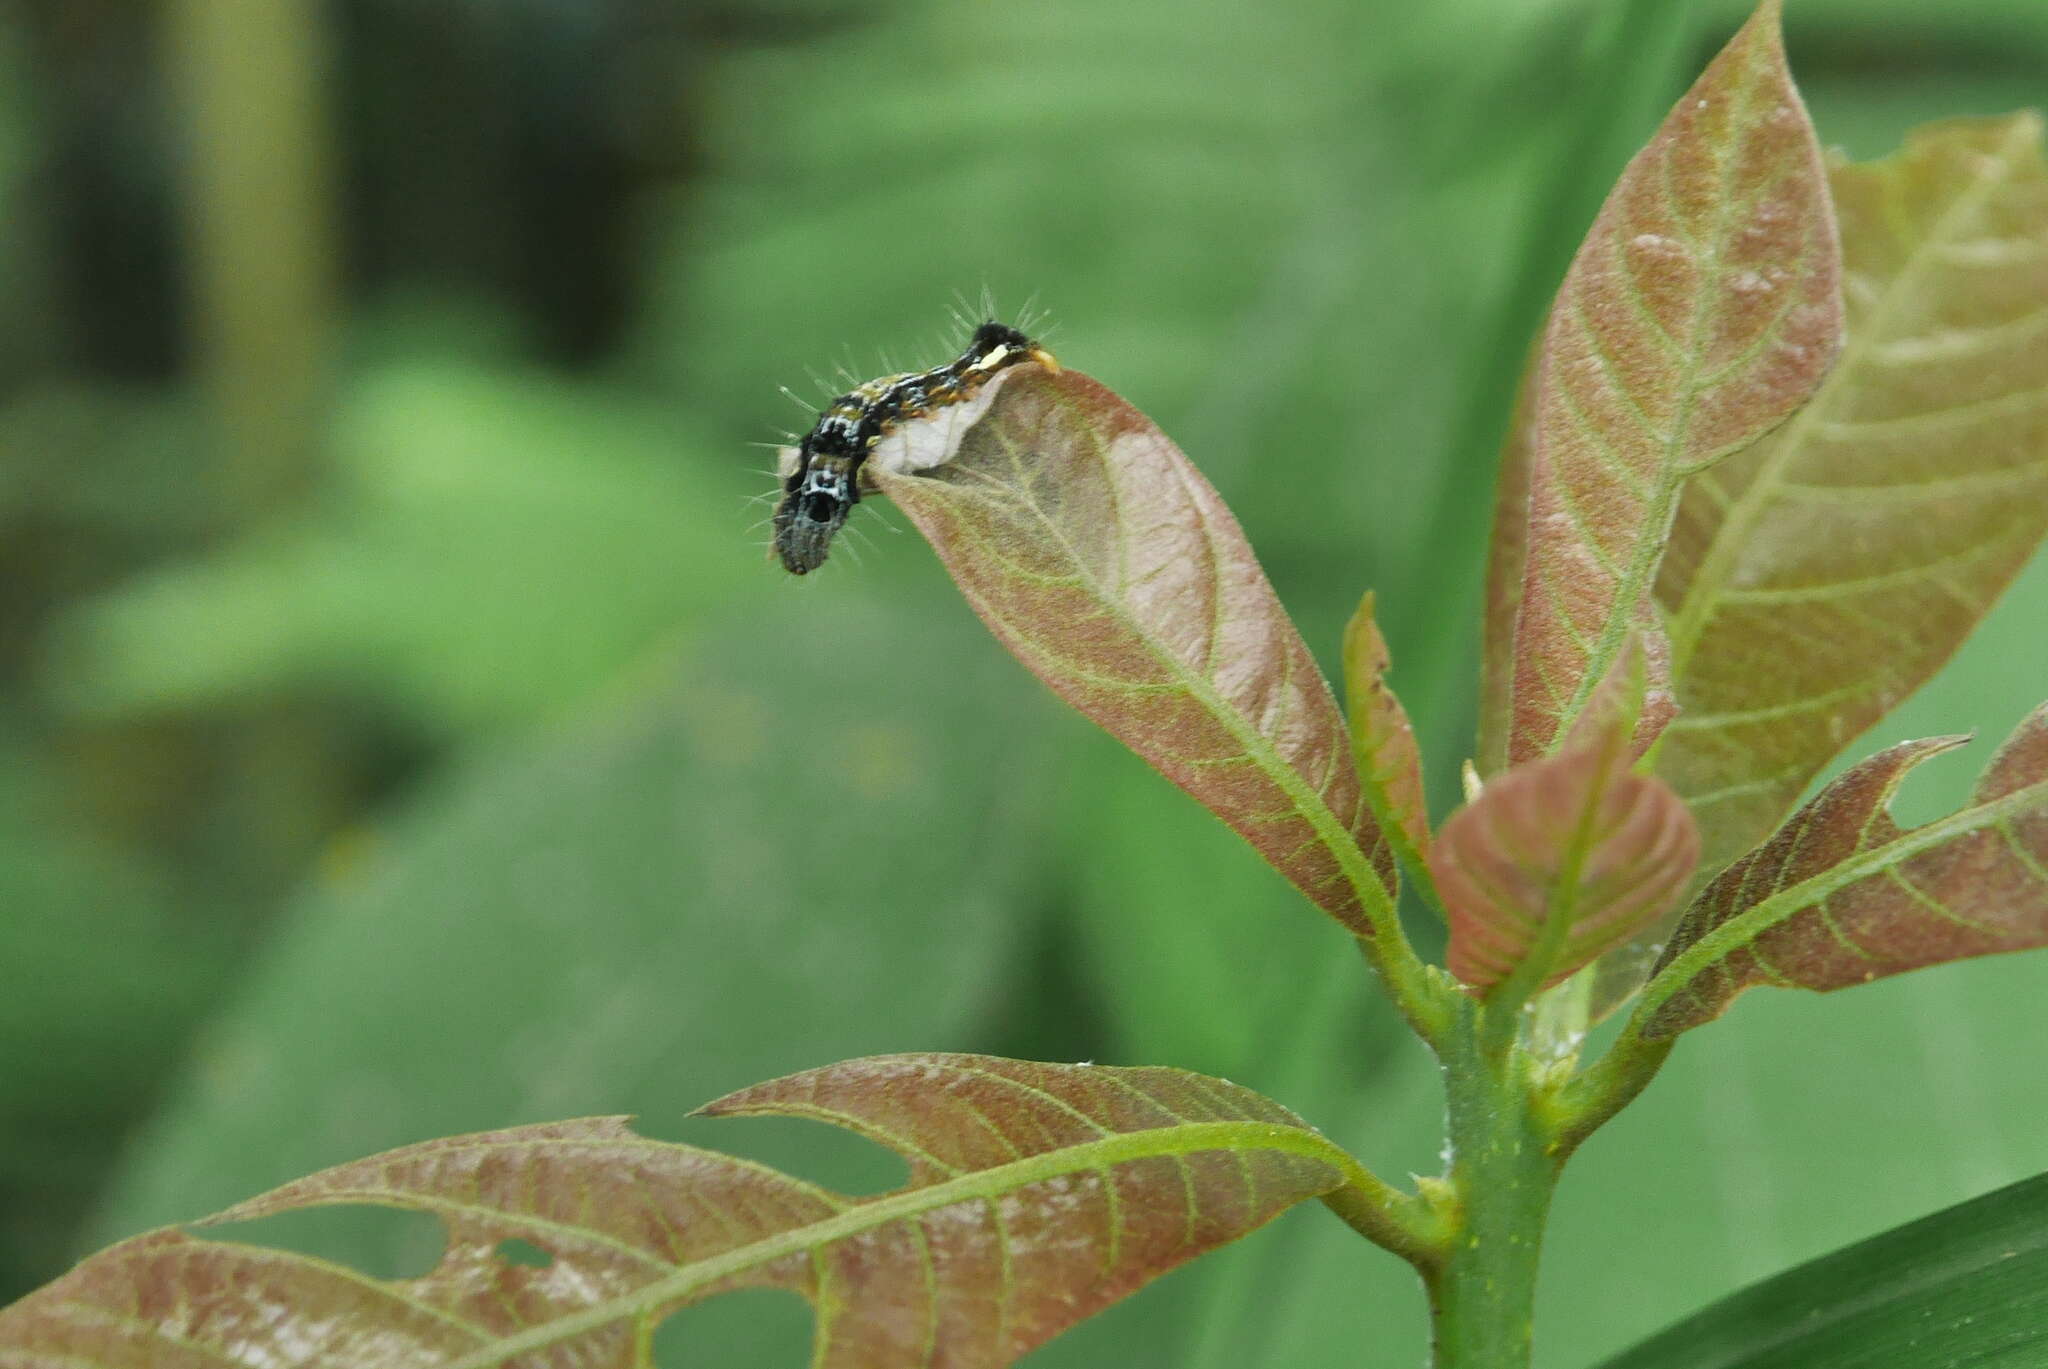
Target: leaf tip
1766,25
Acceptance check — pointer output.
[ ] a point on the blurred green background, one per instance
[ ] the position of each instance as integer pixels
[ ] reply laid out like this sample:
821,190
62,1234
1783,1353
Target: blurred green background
401,732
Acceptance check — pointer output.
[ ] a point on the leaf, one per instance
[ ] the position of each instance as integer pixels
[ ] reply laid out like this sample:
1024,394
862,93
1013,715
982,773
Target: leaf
1382,739
1702,310
1507,562
1841,896
1104,561
1038,1194
1558,861
1856,548
1968,1285
1634,695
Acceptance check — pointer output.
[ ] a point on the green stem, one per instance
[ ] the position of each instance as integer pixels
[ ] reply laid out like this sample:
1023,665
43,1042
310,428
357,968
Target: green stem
1504,1166
1589,1101
1409,858
1403,1223
1426,1000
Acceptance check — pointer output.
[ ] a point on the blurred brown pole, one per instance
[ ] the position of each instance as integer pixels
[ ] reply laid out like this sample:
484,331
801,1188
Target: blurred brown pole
250,83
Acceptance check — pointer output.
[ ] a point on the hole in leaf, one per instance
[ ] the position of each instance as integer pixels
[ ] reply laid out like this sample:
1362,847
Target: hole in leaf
523,1253
382,1242
1939,785
820,1153
763,1326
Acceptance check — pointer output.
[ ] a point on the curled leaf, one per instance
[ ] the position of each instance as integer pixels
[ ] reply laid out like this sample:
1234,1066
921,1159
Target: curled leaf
1382,739
1105,562
1841,896
1039,1194
1558,861
1856,547
1702,310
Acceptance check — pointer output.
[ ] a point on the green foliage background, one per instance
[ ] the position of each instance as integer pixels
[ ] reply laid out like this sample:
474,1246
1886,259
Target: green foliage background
443,755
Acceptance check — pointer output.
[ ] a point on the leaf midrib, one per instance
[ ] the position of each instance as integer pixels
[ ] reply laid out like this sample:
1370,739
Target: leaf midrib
1636,585
1561,902
1123,1148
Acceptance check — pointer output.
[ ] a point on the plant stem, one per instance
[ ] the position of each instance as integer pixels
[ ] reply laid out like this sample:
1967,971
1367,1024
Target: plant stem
1400,1222
1425,1000
1504,1166
1590,1100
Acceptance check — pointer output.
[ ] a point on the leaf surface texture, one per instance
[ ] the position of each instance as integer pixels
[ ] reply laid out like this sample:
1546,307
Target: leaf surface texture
1817,579
1038,1195
1702,310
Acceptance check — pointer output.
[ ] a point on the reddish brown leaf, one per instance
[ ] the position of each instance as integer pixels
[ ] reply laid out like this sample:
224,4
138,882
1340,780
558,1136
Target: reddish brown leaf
1382,739
1105,562
1702,310
1855,548
1852,551
1841,896
1507,561
1558,861
1635,694
1635,689
1039,1194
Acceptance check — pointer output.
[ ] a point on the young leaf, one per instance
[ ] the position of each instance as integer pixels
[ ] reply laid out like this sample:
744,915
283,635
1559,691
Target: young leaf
1854,549
1560,860
1382,740
1702,310
1105,562
1841,896
1038,1195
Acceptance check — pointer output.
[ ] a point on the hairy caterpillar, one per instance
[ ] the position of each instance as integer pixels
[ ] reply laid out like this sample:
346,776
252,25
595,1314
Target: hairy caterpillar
822,474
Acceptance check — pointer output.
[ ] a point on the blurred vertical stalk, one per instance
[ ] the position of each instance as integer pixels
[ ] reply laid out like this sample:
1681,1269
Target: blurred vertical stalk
249,78
1633,67
248,75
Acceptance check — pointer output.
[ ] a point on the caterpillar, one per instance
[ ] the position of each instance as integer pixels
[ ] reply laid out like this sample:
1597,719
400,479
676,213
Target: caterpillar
822,475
